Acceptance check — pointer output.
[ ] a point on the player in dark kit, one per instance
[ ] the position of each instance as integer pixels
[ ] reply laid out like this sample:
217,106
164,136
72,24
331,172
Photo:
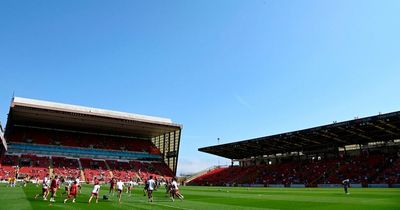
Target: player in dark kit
112,186
346,184
53,188
146,187
168,187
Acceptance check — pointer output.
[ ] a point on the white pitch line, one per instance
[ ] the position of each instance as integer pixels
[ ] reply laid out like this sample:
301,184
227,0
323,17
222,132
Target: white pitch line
158,204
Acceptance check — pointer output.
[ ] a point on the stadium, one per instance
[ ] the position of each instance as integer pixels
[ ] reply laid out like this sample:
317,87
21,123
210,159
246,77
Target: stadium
364,150
198,105
45,138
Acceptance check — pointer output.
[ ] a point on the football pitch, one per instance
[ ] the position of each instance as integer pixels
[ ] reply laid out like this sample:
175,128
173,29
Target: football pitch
203,198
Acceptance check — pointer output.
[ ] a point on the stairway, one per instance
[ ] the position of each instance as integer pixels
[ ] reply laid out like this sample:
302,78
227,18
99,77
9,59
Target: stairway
82,178
109,169
201,173
51,167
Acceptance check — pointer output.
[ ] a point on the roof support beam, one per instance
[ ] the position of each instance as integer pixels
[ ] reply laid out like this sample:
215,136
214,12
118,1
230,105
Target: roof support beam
332,137
357,134
385,130
306,139
389,125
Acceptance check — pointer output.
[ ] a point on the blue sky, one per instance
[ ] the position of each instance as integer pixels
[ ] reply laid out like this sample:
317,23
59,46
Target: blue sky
228,69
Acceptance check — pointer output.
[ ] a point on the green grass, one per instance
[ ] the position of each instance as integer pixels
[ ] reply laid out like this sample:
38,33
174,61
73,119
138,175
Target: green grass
204,198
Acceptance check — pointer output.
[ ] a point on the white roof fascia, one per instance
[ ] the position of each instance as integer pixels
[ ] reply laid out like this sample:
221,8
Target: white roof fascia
3,140
88,110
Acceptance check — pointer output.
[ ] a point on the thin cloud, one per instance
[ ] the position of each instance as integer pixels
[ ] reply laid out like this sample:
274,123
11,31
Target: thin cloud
242,101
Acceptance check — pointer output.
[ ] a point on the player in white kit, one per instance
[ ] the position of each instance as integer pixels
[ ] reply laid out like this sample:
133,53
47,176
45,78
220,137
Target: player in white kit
120,188
130,187
95,192
175,190
151,185
45,188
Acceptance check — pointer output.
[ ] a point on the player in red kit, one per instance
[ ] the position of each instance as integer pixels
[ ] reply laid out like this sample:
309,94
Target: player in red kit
53,188
112,186
73,191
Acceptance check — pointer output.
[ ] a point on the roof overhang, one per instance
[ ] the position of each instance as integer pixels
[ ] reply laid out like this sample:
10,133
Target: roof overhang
31,112
382,127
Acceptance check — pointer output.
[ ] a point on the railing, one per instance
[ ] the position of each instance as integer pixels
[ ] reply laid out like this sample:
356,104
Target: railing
201,173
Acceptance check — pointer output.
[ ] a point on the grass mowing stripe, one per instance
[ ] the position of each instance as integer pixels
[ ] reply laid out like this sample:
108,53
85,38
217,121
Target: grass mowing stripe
13,198
200,198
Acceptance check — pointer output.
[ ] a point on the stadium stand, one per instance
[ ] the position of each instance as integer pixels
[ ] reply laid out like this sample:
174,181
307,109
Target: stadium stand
10,160
28,165
66,167
364,150
50,138
7,166
64,138
370,169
